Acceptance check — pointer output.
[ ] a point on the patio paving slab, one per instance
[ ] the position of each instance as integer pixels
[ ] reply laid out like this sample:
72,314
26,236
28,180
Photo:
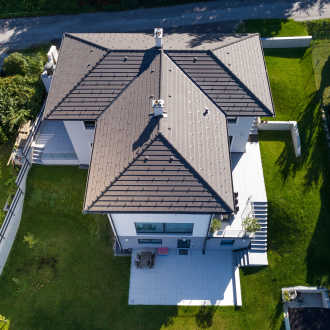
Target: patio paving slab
192,280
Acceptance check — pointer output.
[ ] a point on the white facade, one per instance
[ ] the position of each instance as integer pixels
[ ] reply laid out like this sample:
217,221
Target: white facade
81,139
125,223
240,133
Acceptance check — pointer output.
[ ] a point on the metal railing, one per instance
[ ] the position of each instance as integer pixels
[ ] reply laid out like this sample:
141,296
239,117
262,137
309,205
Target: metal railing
10,213
234,233
25,167
248,209
32,133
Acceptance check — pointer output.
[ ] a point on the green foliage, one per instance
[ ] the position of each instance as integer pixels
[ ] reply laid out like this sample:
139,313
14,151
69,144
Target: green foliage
30,240
251,225
21,92
215,225
129,4
15,63
326,98
319,29
4,323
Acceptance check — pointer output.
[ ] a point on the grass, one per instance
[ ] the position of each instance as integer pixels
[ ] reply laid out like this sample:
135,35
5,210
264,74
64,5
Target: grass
273,27
70,280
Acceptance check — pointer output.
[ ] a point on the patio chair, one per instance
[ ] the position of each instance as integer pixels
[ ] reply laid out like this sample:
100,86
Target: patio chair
137,261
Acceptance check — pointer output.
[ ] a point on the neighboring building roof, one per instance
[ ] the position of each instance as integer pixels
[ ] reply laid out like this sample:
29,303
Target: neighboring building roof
309,318
230,71
179,163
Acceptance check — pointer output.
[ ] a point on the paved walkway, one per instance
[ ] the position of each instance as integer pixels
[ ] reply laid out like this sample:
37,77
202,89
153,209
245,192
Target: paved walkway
24,32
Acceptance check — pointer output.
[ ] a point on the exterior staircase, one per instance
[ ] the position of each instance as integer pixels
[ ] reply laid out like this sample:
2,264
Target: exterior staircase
37,150
256,253
259,242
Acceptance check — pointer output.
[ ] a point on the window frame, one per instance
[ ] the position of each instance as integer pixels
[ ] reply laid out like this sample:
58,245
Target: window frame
232,120
164,231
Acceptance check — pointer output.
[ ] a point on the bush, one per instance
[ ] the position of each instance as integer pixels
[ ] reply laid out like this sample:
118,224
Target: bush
129,4
251,225
319,29
215,225
326,98
15,63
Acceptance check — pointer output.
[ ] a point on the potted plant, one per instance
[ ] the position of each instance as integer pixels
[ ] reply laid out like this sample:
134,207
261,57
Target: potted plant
286,297
251,225
215,225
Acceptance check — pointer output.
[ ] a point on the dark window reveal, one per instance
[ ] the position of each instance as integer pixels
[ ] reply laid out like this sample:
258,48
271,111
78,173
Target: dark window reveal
89,124
150,241
227,242
232,120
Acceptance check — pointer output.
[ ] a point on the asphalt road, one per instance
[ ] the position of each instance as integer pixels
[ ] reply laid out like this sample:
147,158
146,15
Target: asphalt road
23,32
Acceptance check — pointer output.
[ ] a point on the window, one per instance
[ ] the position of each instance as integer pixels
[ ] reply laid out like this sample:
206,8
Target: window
179,228
230,140
232,120
150,241
89,124
227,242
149,227
164,228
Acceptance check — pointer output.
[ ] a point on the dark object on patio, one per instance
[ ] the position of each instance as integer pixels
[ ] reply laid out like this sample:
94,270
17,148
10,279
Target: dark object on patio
309,318
145,259
300,297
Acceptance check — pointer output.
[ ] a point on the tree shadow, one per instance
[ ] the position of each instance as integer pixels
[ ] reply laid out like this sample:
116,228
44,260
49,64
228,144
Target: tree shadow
204,317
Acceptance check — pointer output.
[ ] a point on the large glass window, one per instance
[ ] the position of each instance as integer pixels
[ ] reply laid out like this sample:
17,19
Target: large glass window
149,227
179,228
164,228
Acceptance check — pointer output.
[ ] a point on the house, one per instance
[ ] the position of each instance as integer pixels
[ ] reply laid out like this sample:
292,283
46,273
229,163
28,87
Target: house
166,126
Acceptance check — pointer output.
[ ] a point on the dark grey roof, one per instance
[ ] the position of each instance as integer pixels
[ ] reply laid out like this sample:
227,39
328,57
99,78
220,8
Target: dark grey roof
179,163
92,72
219,83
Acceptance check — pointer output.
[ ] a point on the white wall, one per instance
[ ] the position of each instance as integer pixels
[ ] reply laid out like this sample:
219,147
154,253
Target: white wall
240,133
291,126
81,139
286,42
125,226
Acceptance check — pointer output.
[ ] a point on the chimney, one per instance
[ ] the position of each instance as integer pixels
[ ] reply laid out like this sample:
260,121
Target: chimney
158,106
158,35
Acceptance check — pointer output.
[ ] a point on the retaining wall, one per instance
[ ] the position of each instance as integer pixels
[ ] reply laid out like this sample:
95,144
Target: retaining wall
286,42
291,126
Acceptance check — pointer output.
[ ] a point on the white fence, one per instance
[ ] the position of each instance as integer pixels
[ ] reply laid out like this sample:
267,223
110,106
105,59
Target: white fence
291,126
286,42
12,220
13,217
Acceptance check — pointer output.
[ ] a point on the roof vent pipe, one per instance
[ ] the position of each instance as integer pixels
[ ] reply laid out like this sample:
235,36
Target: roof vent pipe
158,106
158,35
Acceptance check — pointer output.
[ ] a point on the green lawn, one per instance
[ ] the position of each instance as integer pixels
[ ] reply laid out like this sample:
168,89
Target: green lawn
70,280
273,27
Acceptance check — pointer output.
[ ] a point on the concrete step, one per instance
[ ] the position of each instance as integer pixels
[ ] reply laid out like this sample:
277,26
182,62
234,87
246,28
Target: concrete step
260,203
258,249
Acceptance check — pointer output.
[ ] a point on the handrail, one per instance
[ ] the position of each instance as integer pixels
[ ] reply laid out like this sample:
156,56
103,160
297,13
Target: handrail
248,209
10,213
22,172
34,129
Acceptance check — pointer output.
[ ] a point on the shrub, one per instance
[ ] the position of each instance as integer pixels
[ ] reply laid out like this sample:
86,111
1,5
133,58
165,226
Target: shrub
15,63
326,98
319,29
129,4
251,225
30,240
215,225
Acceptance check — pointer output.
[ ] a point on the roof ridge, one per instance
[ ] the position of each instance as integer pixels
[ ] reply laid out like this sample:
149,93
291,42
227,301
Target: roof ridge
76,85
185,73
194,172
237,41
240,81
87,42
121,172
